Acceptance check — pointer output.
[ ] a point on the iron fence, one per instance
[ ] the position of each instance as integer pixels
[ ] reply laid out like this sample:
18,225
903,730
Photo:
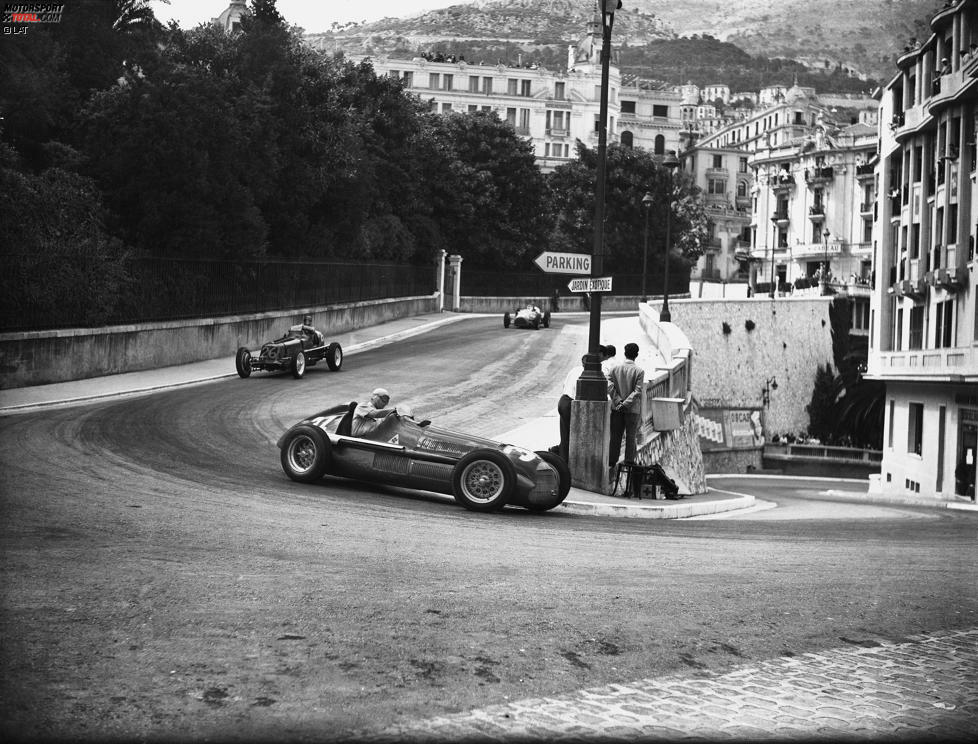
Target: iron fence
160,289
478,283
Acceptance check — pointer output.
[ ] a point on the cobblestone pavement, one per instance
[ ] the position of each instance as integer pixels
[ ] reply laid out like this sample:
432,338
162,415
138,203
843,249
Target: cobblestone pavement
921,688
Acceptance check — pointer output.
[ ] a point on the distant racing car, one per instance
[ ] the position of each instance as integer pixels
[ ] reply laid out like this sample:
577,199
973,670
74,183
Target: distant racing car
530,316
482,475
302,346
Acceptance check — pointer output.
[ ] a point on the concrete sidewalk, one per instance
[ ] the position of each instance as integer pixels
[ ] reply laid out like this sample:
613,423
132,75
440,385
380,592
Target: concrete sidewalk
531,435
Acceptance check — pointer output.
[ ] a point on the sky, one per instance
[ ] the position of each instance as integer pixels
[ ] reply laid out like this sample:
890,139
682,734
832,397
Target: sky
312,15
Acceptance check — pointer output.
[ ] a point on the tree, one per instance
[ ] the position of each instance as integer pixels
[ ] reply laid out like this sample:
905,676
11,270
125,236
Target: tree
630,173
822,422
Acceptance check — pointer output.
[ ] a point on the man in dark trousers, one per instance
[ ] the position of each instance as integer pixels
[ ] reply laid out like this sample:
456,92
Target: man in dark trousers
627,383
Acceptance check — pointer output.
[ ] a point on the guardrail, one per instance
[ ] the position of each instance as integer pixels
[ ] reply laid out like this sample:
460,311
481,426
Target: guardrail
821,451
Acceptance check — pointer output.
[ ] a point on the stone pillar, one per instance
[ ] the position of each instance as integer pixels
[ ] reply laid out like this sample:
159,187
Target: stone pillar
455,261
590,428
440,278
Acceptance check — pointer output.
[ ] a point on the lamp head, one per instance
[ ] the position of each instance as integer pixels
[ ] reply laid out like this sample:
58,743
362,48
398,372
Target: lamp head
647,200
670,160
826,234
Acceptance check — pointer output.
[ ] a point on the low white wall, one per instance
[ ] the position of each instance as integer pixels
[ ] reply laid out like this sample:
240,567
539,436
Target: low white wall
41,357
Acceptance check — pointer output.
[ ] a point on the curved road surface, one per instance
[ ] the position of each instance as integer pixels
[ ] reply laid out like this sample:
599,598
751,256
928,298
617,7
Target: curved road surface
163,578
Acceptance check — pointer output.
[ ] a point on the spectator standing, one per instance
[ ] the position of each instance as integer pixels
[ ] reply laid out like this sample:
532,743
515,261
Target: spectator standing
627,380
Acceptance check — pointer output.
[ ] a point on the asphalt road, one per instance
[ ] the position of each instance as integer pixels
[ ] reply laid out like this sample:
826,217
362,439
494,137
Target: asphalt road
162,579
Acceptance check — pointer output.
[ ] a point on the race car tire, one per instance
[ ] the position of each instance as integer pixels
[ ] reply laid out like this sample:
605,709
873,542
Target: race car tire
242,362
506,320
306,454
546,319
334,356
563,475
483,480
298,366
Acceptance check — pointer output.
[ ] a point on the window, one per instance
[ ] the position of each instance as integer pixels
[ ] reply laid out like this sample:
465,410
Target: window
487,86
816,233
742,189
889,436
524,125
952,224
716,186
627,139
511,86
742,167
718,161
628,107
660,145
525,88
916,328
659,109
511,117
408,79
559,91
944,324
448,82
434,80
473,108
915,428
473,83
446,108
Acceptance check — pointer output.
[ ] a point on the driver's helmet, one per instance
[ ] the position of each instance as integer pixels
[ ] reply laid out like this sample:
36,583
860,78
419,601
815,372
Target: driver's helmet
307,320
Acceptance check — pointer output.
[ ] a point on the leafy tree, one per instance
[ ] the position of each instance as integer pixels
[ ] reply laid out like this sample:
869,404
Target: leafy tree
630,173
58,259
822,422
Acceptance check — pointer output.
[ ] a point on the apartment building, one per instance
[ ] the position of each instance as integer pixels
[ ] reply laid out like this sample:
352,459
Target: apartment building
924,326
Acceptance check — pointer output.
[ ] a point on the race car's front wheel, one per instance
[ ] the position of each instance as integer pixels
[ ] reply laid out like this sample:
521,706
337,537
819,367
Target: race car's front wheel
506,320
305,454
483,480
298,365
242,362
334,356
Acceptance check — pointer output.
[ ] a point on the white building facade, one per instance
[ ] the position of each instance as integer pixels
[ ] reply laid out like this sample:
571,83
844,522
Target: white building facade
924,327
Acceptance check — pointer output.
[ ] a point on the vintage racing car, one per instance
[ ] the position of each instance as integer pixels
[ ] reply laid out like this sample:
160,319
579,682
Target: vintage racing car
302,346
527,317
481,474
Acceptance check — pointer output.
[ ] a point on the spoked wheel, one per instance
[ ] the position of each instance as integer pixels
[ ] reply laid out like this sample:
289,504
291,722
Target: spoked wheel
483,480
334,356
305,454
298,365
242,362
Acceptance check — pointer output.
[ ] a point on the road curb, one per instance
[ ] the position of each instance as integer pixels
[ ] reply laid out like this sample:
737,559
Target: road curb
655,511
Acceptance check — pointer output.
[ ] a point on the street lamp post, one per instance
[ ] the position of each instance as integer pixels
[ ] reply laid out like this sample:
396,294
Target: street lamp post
774,242
647,203
671,162
592,384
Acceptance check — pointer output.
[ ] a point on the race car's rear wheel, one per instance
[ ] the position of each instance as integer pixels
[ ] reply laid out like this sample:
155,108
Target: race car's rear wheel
563,478
334,356
506,320
546,319
305,454
483,480
242,362
298,365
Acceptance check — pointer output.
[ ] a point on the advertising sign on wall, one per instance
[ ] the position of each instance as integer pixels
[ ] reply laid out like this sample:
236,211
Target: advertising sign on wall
729,428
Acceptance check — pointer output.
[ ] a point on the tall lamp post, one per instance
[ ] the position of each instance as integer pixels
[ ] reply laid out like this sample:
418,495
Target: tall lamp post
647,203
825,257
592,384
671,162
774,242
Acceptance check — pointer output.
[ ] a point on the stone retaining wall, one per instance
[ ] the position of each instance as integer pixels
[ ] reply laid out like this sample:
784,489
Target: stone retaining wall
41,357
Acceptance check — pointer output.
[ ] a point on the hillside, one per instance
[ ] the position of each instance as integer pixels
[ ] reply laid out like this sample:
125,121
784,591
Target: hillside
863,37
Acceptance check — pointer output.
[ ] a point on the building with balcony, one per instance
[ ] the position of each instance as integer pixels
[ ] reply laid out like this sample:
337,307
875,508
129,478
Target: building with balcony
924,327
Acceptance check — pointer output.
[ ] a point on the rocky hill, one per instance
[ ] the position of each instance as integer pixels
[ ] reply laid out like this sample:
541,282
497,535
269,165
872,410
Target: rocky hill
864,37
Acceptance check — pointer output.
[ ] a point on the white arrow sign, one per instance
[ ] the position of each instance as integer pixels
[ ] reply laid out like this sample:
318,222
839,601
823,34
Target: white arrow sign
564,263
602,284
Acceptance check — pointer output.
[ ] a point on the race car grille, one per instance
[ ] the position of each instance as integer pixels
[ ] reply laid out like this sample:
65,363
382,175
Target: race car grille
390,463
545,487
429,470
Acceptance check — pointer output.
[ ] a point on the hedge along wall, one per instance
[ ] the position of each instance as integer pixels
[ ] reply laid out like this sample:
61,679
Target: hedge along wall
788,340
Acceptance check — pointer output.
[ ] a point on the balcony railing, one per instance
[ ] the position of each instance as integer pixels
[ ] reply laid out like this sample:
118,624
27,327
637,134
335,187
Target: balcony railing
866,207
865,170
816,212
816,175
